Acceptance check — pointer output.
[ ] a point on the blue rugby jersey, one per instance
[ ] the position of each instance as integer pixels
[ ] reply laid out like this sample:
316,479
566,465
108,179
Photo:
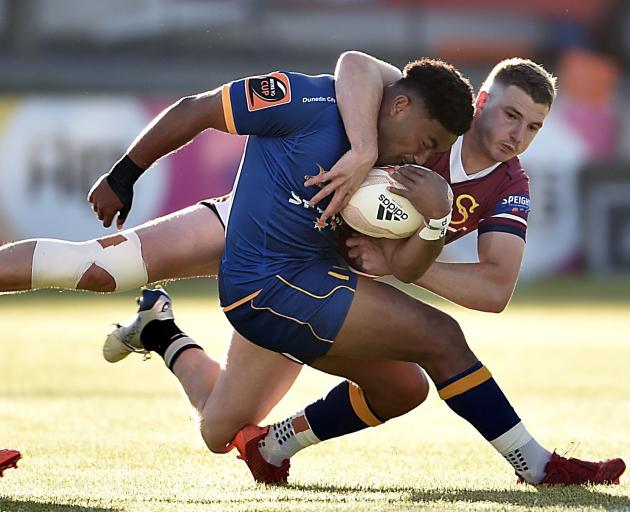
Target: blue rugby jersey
295,131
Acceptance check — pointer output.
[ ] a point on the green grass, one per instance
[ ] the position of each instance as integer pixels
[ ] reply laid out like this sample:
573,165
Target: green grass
99,437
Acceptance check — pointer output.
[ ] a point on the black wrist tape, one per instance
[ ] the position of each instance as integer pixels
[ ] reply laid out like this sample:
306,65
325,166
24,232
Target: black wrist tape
125,173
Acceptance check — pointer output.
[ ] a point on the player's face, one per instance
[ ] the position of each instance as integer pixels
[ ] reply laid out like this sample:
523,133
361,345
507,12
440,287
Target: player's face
508,122
407,135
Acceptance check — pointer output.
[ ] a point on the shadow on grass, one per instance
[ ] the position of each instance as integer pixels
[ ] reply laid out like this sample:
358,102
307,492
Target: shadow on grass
574,496
39,506
569,497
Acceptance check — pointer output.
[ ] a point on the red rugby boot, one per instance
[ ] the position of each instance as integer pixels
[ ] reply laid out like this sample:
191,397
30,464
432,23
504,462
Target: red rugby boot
8,459
569,471
246,442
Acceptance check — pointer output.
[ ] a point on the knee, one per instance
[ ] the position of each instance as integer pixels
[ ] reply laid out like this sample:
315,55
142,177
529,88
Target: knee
448,353
96,279
216,436
403,392
448,340
409,392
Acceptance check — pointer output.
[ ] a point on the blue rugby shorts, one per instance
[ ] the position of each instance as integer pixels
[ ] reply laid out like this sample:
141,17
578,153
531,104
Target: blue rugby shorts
297,312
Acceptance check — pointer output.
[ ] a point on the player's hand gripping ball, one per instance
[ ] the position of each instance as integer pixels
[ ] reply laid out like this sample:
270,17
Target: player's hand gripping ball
374,211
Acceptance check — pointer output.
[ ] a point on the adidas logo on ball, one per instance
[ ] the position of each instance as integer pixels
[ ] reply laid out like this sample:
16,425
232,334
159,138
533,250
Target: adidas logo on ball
375,211
388,210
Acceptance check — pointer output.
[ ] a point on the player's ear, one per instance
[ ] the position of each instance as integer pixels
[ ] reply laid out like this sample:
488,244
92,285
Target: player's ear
400,103
482,99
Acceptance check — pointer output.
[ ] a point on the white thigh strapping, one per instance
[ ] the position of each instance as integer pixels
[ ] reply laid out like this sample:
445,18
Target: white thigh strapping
61,264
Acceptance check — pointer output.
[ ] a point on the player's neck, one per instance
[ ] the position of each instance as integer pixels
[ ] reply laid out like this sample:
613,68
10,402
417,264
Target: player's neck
474,159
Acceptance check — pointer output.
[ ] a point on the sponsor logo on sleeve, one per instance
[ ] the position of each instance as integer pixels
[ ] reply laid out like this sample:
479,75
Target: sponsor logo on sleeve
267,91
515,204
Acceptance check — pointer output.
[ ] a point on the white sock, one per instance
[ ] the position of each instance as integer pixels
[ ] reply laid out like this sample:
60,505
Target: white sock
523,452
286,438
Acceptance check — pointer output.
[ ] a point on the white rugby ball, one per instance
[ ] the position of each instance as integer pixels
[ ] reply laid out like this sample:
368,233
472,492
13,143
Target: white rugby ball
374,211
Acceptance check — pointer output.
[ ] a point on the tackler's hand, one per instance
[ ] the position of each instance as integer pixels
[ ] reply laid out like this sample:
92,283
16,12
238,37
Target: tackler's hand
429,193
366,254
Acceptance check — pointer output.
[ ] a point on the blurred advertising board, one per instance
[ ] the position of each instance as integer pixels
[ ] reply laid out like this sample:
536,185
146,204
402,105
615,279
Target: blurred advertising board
53,148
605,192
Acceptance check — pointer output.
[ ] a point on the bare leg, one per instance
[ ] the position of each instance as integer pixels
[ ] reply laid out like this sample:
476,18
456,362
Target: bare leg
16,262
255,380
384,323
187,243
251,382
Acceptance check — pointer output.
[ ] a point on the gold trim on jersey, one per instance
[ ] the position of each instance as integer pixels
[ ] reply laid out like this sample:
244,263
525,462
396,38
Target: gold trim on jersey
306,292
338,276
361,407
226,101
465,383
236,304
266,308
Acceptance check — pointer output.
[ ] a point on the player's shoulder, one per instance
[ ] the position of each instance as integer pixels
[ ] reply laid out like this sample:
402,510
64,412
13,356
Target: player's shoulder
513,170
303,80
310,92
511,182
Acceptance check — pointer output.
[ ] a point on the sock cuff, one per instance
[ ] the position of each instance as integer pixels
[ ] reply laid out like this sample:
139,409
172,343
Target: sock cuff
306,437
361,407
511,440
465,381
175,349
458,376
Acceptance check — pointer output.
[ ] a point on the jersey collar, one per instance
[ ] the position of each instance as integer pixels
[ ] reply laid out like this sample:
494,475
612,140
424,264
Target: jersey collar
458,174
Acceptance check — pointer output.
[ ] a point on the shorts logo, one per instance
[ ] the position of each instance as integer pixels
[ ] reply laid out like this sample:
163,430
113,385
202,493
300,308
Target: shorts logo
267,91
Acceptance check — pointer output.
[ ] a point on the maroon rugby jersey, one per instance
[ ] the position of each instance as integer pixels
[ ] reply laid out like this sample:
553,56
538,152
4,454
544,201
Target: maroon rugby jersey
494,199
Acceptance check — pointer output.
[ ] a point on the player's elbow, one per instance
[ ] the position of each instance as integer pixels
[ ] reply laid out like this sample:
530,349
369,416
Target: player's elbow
496,300
352,57
354,62
494,307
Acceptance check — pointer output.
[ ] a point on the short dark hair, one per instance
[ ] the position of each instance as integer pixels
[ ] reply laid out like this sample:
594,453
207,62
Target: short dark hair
525,74
447,94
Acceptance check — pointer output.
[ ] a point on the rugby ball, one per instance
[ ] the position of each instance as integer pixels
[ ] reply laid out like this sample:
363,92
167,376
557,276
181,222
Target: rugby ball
374,211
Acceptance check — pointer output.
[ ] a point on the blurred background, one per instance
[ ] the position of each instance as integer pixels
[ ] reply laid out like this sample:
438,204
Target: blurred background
80,78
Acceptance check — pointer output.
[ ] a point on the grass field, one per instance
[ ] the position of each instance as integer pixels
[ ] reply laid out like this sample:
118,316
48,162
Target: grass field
99,437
